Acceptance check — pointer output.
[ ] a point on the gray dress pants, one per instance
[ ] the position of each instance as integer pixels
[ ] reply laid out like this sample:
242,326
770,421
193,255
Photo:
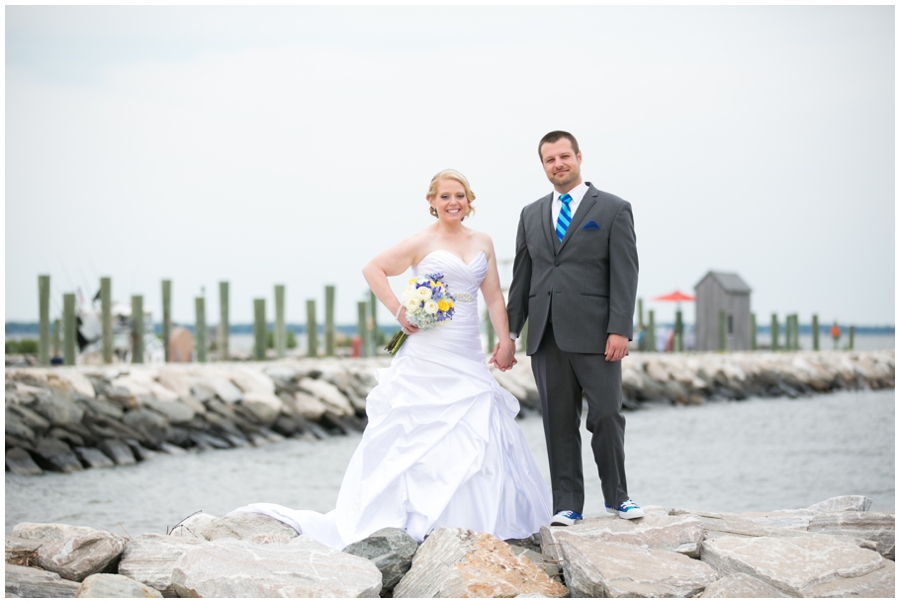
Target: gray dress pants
561,378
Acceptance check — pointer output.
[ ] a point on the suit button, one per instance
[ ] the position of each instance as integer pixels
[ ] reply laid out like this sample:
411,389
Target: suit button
556,264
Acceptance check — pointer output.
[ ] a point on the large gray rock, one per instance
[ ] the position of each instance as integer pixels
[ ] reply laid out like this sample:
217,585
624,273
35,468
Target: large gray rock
55,455
864,525
93,458
455,562
264,406
741,586
118,451
19,462
851,502
303,568
153,427
192,526
36,424
657,530
253,527
57,408
175,411
114,586
20,551
31,582
150,559
391,550
595,568
308,406
328,394
73,552
807,566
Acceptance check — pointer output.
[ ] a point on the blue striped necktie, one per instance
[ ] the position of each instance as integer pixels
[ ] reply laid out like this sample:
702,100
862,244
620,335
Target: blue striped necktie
565,216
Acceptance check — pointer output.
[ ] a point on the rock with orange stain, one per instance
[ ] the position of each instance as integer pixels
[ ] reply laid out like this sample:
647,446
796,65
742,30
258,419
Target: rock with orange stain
455,562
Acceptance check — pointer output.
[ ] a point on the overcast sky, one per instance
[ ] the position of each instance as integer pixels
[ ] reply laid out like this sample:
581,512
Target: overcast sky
288,145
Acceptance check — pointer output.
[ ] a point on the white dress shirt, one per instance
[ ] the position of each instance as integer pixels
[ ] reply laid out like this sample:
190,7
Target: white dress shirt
577,195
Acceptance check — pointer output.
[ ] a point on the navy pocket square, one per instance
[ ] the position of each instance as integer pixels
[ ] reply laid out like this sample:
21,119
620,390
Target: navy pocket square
590,226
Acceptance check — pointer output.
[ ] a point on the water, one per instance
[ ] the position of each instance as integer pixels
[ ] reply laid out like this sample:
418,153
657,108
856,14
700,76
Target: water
756,455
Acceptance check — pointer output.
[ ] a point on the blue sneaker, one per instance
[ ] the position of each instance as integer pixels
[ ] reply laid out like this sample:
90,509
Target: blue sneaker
565,518
627,510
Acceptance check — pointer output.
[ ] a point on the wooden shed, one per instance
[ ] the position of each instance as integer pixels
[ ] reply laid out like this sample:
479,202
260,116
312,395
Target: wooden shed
717,292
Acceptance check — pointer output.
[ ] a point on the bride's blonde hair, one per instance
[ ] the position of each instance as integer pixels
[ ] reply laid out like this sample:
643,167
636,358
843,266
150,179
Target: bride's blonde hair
450,175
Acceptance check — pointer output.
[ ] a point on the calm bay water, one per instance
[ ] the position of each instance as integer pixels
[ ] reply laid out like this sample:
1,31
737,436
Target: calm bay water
755,455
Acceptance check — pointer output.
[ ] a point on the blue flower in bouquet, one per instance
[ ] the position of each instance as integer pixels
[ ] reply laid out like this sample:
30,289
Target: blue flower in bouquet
428,302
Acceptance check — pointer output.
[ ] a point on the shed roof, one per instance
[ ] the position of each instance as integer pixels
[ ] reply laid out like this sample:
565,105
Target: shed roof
729,281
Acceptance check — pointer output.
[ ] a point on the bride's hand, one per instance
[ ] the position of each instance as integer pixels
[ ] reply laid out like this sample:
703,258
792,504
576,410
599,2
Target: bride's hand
407,328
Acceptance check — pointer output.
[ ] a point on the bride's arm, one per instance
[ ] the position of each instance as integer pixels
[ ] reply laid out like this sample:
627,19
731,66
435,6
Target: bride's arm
496,305
391,262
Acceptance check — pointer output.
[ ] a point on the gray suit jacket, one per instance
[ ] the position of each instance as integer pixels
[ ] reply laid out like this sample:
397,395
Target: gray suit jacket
586,285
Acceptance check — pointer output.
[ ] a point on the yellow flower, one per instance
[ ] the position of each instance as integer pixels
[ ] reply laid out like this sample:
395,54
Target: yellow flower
412,281
443,306
450,303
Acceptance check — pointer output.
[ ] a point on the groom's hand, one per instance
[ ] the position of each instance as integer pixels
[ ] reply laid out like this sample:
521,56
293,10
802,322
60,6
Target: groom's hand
616,347
504,356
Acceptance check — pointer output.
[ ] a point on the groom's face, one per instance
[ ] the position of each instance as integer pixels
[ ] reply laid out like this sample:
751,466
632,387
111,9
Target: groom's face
561,164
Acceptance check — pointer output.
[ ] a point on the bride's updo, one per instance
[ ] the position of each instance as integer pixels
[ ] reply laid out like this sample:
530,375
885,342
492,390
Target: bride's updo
450,175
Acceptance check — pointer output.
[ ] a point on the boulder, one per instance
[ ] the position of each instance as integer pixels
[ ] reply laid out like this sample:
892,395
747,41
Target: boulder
55,455
328,394
842,503
264,406
303,568
72,380
192,526
153,427
58,408
308,406
174,379
114,586
227,391
873,526
175,411
253,527
73,552
595,568
20,551
250,379
657,530
741,586
118,451
35,422
140,453
17,427
19,462
391,550
150,559
31,582
93,458
455,562
805,566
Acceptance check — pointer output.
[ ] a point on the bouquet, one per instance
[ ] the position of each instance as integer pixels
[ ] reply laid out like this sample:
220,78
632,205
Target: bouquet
428,303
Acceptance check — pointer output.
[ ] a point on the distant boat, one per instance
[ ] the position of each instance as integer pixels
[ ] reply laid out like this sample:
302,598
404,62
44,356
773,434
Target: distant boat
89,331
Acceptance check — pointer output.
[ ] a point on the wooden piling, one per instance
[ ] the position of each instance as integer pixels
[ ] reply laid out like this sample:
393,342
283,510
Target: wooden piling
523,337
815,332
753,331
788,334
166,316
640,312
259,329
69,329
329,320
723,336
106,318
361,330
373,322
44,319
224,330
280,335
678,340
200,328
137,329
312,330
650,337
57,338
774,344
850,335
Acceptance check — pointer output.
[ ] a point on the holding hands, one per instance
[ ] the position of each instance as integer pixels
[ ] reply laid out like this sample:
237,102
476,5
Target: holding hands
504,356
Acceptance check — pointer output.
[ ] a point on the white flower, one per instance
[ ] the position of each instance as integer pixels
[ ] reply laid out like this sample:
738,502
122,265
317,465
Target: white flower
411,305
423,293
431,306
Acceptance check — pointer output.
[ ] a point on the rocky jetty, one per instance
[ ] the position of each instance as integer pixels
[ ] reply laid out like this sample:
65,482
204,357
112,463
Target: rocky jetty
73,418
836,548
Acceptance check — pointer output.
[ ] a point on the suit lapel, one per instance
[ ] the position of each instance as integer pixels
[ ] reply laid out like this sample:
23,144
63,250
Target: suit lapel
546,216
590,198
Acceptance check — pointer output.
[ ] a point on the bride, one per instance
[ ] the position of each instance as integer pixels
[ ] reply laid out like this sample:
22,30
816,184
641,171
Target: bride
441,447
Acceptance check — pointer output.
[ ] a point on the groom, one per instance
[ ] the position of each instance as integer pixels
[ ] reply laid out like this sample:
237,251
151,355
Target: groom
575,278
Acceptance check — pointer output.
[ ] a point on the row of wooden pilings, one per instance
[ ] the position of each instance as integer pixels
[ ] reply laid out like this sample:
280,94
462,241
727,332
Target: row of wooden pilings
366,324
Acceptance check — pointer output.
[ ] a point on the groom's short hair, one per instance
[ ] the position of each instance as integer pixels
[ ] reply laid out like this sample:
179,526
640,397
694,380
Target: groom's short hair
555,136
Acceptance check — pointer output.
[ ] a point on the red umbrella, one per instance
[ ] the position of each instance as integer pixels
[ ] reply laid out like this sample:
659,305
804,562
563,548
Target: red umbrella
675,296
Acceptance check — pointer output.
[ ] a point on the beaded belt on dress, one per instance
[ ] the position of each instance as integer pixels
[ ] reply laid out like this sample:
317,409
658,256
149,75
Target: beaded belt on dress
464,297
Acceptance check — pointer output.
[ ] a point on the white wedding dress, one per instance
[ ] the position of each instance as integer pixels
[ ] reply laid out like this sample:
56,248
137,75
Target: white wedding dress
441,447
